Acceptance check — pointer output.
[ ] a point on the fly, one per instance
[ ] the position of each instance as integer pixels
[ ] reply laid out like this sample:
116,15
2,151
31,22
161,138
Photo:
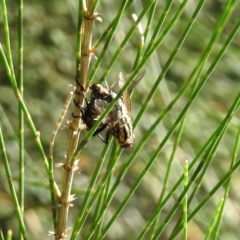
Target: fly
118,121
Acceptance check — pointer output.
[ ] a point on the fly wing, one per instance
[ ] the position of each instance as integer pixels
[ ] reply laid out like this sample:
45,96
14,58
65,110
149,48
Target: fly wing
126,95
137,79
116,87
100,105
114,115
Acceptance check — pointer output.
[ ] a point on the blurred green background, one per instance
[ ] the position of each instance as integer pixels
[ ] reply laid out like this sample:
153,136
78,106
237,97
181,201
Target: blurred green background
49,67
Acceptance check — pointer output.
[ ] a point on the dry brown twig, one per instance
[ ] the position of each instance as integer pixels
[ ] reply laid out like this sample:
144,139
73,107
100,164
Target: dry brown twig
65,200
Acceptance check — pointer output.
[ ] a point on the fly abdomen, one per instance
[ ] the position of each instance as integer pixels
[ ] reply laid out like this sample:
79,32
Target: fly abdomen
125,137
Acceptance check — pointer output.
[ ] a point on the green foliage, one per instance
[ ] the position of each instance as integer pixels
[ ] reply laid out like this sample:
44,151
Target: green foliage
185,109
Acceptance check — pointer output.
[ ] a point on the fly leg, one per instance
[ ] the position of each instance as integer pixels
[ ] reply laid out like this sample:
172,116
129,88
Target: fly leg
99,129
107,137
82,109
82,91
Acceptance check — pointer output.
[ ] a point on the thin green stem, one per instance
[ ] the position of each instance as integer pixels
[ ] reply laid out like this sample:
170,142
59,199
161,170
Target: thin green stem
209,195
99,218
201,169
21,114
150,19
6,124
85,209
234,158
214,219
1,235
141,43
166,177
79,39
182,114
111,25
7,39
102,200
185,203
94,6
205,162
126,40
30,123
160,22
9,235
134,154
167,65
108,41
209,145
99,206
11,187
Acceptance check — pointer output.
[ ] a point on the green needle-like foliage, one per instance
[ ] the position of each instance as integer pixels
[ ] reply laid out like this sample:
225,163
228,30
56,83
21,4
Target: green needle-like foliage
177,179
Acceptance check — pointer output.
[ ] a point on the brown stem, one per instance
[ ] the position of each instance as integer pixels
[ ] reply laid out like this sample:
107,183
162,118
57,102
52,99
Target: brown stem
75,126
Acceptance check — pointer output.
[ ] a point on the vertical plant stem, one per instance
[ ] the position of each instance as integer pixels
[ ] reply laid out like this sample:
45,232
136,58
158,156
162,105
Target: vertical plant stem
83,56
53,188
214,220
11,186
108,40
27,115
7,38
159,25
166,178
234,158
185,203
126,40
168,63
1,235
210,144
9,235
21,113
